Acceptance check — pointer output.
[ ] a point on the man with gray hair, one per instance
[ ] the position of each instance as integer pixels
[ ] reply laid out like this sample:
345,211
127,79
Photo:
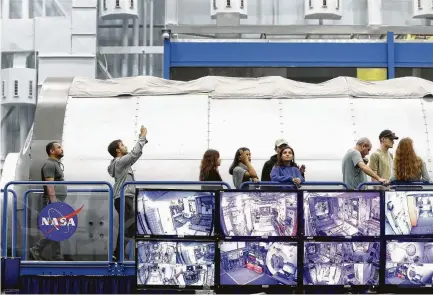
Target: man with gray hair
355,169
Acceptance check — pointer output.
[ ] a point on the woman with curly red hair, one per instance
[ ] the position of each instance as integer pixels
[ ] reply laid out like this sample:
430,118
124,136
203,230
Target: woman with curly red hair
407,165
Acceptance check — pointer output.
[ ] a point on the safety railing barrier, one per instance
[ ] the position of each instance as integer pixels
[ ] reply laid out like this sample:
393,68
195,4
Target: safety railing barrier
15,219
141,183
395,183
307,183
42,183
25,219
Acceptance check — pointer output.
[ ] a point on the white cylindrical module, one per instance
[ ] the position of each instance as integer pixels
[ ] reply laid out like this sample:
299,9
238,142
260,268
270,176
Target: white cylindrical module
117,9
184,119
422,9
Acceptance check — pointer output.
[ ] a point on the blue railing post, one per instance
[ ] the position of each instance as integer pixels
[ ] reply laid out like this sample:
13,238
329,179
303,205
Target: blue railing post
5,205
122,203
14,220
26,196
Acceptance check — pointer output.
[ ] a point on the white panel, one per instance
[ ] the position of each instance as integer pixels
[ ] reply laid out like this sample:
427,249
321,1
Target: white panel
91,125
428,107
250,123
84,21
403,116
177,125
236,7
83,44
319,129
70,67
53,34
11,41
84,3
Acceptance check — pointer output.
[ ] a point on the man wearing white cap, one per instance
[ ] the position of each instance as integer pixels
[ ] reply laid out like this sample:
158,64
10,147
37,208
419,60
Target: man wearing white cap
267,168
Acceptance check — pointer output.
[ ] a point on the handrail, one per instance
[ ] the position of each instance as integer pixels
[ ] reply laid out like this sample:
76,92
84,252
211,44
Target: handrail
110,207
15,220
25,221
395,183
122,203
311,183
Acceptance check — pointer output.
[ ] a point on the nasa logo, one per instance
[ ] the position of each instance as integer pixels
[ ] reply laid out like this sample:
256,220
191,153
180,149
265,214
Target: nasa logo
58,221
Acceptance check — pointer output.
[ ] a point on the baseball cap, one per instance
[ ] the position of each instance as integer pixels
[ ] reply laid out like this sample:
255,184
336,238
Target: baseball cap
387,133
280,142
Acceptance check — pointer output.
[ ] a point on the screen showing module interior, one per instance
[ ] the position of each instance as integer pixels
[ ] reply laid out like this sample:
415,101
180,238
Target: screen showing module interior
178,213
341,263
175,263
409,213
409,263
259,213
342,213
258,263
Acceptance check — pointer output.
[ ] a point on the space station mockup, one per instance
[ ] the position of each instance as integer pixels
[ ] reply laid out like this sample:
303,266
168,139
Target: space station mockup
320,121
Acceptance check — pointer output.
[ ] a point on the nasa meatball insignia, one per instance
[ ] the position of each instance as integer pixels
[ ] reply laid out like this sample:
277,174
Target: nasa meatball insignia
58,221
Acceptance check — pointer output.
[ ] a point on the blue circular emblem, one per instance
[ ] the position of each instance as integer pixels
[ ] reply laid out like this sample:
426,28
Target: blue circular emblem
58,221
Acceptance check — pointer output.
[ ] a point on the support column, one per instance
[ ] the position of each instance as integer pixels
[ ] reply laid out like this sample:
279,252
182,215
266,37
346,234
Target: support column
24,125
167,59
391,54
125,44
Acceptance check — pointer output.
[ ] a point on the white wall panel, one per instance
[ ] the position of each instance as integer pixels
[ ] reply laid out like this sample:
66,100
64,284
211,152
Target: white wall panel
403,116
92,123
428,107
177,125
318,129
84,21
11,41
250,123
66,66
52,35
83,44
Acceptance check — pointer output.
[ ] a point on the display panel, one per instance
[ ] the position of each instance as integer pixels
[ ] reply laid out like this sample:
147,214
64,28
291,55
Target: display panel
409,213
175,213
341,263
175,263
260,214
409,263
342,213
258,263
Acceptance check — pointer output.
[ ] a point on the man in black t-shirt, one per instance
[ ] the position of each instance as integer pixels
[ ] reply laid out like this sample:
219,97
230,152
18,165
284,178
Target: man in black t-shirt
51,170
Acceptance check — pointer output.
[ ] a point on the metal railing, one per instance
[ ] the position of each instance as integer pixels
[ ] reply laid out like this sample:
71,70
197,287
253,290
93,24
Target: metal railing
25,219
43,183
14,220
395,183
141,183
307,183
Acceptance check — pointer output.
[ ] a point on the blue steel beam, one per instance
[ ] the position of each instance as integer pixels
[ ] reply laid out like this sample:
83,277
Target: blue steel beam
388,54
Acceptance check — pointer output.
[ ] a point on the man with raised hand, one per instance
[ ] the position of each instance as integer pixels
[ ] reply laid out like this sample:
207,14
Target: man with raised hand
120,169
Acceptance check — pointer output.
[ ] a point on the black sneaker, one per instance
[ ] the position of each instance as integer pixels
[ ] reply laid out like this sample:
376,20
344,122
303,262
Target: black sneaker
35,254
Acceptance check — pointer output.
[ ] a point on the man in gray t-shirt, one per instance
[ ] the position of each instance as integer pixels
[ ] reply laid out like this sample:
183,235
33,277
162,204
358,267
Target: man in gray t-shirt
51,170
355,169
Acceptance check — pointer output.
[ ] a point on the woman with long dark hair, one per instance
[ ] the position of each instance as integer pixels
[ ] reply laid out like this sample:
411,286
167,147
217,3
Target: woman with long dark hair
209,168
407,165
241,169
286,170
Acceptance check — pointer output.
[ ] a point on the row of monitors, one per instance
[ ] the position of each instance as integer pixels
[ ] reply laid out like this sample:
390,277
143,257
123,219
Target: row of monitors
271,214
243,263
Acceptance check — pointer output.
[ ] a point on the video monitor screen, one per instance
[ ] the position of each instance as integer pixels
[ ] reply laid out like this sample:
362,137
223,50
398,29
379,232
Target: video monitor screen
175,263
409,213
341,263
342,213
175,213
259,213
258,263
409,263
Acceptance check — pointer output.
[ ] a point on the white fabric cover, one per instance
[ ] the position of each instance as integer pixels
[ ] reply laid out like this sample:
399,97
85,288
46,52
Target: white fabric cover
260,88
